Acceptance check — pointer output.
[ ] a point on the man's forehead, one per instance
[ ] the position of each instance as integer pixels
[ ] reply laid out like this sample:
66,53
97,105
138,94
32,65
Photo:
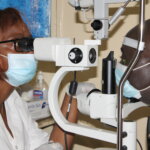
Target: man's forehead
15,31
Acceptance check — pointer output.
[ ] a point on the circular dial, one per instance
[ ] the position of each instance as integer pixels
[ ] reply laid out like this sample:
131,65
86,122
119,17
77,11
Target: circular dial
75,55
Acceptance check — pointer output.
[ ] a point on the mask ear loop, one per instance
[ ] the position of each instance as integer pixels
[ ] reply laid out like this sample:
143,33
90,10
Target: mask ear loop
144,89
3,56
140,67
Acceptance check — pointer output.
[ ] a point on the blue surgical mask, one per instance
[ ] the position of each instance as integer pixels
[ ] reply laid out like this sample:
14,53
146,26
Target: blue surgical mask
128,91
21,69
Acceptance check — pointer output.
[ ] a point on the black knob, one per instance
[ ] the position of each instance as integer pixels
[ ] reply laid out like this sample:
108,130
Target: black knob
97,25
92,55
124,134
124,147
75,55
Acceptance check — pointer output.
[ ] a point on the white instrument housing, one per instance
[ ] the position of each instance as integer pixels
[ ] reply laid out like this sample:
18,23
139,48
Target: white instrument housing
64,53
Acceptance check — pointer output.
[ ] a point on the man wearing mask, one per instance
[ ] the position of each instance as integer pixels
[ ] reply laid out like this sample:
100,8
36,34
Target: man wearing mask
17,129
138,85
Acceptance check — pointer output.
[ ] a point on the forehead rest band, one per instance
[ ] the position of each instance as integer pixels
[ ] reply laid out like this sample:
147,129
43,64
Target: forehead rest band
133,43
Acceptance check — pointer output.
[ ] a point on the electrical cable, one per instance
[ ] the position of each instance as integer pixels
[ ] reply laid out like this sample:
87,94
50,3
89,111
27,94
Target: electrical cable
66,144
139,144
48,126
67,116
72,92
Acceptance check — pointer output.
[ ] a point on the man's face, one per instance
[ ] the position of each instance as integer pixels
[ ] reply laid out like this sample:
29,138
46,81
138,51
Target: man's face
14,32
139,77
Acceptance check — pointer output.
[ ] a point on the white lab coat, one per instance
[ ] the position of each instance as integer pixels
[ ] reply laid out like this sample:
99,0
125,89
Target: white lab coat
26,134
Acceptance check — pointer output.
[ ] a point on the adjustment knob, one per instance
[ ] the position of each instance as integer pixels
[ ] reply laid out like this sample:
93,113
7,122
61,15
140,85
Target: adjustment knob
97,25
92,55
75,55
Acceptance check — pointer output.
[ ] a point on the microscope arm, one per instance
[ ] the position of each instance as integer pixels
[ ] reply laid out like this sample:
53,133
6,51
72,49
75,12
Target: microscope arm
95,133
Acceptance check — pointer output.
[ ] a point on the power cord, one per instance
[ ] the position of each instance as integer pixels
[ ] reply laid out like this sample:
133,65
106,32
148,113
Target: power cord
139,144
72,91
52,124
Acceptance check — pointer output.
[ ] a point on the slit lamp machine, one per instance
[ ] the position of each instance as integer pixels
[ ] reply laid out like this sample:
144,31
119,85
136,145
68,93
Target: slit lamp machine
106,106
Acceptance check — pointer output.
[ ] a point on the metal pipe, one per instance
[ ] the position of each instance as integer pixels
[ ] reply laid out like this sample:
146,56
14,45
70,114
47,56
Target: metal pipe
126,74
118,13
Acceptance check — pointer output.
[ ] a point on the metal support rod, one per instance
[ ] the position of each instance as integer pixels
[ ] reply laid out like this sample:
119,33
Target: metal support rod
126,74
118,13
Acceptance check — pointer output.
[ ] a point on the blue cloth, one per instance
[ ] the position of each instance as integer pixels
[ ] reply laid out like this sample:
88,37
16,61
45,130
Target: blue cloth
36,14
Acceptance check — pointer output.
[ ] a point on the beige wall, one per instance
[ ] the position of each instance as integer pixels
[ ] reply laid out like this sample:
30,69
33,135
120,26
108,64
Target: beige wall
66,22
